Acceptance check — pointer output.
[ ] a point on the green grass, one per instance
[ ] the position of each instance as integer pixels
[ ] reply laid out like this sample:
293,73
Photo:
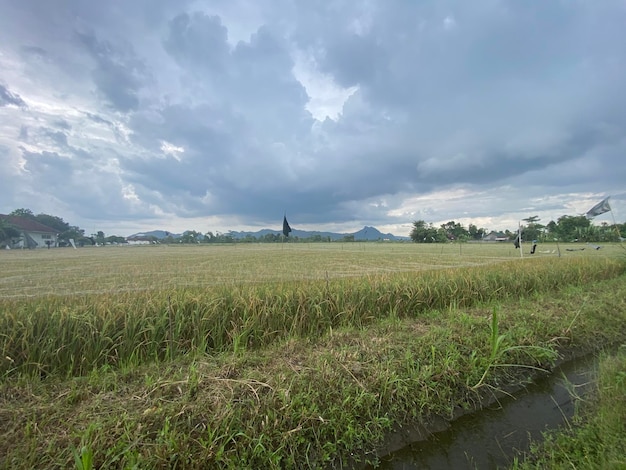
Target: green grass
272,356
596,439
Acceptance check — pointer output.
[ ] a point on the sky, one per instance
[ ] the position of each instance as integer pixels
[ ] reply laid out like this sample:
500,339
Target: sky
228,114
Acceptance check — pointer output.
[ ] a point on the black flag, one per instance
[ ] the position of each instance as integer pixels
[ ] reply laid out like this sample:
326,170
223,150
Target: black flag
286,227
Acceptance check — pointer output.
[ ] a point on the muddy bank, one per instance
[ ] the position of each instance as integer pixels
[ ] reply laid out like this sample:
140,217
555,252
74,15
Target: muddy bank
501,429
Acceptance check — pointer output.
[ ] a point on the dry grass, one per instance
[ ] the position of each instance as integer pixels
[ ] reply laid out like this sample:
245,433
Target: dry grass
116,269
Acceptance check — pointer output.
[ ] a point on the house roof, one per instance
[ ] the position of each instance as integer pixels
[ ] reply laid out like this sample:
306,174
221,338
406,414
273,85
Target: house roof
26,224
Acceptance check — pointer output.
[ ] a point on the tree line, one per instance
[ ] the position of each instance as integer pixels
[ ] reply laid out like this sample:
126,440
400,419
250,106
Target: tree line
567,228
67,232
191,236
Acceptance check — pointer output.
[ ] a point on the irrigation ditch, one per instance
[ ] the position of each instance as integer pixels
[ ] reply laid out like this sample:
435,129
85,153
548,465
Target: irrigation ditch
503,427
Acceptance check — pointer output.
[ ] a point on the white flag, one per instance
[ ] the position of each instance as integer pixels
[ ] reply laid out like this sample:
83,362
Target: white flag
600,208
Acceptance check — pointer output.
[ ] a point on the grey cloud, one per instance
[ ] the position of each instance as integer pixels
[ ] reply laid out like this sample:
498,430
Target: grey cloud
81,184
60,138
263,77
9,98
490,79
35,54
98,119
217,160
198,40
44,136
205,133
48,168
62,124
119,74
10,185
479,95
251,74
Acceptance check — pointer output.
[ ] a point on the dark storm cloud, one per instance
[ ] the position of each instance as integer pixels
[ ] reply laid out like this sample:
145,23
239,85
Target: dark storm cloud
482,83
227,144
254,78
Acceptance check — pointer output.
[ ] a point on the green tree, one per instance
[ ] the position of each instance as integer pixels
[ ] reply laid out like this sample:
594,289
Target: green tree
191,236
249,239
53,221
271,238
552,230
23,213
75,233
455,230
533,230
7,233
99,236
573,228
476,233
425,233
222,238
114,239
510,235
169,238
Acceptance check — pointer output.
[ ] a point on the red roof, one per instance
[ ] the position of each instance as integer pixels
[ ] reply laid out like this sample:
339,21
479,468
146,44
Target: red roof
26,224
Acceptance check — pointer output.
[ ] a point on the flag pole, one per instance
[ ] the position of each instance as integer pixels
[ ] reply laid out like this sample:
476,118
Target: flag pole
619,235
519,236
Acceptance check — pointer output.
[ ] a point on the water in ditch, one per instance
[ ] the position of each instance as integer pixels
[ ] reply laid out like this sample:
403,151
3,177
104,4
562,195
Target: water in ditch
492,437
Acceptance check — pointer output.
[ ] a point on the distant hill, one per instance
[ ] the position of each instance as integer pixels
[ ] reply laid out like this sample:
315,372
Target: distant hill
365,234
372,233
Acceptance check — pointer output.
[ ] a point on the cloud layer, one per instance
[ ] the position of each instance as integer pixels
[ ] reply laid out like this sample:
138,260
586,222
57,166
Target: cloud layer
223,115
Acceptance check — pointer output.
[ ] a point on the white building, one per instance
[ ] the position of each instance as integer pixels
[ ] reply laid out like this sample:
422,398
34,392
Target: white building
32,234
